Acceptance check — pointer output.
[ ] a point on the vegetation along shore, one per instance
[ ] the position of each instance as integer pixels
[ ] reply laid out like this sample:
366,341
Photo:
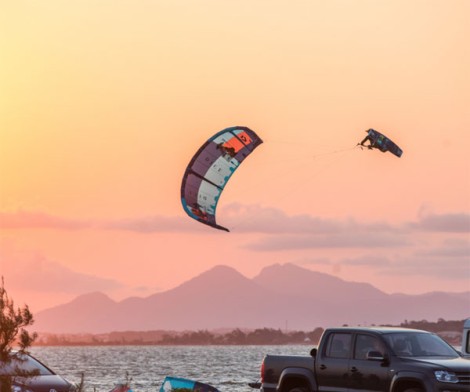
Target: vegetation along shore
450,330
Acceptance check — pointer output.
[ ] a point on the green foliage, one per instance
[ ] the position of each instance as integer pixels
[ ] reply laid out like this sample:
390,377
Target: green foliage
440,325
13,322
258,336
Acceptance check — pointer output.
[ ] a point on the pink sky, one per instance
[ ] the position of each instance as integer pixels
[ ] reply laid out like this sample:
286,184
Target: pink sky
103,103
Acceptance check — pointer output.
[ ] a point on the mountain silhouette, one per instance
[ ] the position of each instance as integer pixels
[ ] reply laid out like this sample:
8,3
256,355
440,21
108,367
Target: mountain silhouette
281,296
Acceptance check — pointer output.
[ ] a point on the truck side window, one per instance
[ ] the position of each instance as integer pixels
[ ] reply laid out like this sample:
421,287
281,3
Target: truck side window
366,343
339,345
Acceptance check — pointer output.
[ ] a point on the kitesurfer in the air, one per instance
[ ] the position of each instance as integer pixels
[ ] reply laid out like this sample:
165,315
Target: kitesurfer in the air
369,137
380,142
376,140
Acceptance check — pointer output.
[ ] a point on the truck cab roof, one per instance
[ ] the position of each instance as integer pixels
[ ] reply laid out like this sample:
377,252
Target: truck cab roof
379,330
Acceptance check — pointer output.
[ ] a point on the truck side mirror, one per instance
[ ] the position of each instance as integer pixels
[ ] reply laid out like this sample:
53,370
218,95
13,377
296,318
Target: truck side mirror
375,356
313,352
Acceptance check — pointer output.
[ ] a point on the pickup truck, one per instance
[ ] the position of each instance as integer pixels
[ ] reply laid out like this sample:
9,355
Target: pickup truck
369,359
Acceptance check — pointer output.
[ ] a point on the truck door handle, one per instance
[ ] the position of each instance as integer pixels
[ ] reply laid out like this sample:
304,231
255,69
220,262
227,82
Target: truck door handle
354,369
322,367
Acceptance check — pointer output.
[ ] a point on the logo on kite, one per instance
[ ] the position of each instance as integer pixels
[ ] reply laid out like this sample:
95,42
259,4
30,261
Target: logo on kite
210,169
380,142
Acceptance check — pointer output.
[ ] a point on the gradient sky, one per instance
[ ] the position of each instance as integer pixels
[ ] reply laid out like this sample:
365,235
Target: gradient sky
104,102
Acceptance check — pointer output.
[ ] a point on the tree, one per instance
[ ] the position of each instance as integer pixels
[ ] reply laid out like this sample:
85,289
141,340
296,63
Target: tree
13,322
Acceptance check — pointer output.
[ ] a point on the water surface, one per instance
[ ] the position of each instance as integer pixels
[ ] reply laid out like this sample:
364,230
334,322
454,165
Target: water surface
228,368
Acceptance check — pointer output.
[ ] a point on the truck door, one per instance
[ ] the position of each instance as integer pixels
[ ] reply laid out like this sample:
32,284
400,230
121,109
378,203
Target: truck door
332,363
368,373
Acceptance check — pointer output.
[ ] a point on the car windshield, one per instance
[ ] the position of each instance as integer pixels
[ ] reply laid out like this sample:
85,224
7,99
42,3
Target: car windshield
23,363
419,344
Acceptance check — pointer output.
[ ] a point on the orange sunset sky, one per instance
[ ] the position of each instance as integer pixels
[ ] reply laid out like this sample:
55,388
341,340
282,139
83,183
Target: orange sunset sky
104,102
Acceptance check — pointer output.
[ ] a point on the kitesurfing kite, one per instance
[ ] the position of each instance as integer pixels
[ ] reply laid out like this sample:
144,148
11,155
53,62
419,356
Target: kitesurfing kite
210,169
381,142
175,384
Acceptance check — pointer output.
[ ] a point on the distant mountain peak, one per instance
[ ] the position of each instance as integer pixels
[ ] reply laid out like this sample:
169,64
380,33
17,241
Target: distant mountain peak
291,278
220,276
288,267
222,270
223,298
290,270
96,296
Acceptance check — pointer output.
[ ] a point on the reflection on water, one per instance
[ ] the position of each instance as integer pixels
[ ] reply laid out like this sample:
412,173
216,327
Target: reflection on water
228,368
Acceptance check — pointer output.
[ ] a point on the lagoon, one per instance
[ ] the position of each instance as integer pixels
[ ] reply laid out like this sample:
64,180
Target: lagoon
228,368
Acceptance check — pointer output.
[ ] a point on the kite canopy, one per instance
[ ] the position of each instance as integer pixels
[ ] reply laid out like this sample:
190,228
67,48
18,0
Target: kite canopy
381,142
210,169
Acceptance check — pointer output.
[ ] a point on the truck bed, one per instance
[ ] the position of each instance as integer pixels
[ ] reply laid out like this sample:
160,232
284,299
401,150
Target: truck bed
275,365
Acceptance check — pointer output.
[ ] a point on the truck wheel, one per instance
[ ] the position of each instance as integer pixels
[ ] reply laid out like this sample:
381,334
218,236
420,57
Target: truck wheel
298,389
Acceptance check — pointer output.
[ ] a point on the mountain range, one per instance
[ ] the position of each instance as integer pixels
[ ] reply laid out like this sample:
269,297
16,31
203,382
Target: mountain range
281,296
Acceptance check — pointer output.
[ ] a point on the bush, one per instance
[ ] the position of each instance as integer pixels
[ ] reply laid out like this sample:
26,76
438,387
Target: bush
13,322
